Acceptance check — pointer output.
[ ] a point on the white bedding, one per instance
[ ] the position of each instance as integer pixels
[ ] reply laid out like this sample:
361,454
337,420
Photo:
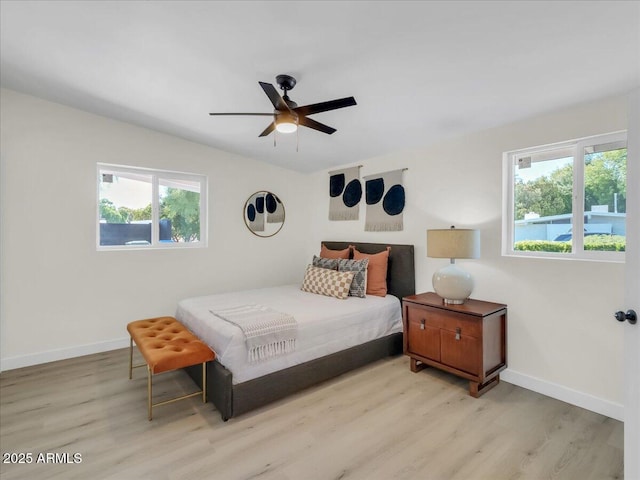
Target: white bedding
325,325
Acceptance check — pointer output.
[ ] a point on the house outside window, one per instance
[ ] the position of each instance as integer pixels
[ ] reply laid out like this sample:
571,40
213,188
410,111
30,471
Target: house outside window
141,208
553,191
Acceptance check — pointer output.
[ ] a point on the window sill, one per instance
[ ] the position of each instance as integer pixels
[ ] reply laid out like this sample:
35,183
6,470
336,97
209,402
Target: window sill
606,257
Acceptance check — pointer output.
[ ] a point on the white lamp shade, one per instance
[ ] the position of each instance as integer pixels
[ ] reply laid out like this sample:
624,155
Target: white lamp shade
453,243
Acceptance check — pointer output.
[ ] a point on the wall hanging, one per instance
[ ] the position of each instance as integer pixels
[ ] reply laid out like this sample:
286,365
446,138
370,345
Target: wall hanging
385,199
345,192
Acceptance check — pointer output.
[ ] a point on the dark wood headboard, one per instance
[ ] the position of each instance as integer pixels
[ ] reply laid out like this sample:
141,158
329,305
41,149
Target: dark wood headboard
401,273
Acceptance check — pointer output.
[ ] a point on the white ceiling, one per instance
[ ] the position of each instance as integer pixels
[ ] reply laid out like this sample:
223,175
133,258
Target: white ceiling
420,71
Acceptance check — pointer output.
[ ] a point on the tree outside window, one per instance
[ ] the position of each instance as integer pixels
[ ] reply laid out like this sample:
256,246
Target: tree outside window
557,190
139,207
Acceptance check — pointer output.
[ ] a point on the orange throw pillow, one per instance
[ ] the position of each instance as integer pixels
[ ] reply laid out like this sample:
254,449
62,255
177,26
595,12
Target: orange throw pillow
376,271
326,253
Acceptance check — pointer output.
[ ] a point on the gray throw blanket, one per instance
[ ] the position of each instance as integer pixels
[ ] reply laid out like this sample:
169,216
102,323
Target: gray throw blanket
268,333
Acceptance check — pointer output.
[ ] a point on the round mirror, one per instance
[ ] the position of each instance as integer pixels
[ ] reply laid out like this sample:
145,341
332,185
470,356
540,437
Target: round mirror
264,214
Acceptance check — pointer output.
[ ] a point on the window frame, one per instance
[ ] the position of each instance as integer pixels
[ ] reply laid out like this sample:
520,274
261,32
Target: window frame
577,146
156,176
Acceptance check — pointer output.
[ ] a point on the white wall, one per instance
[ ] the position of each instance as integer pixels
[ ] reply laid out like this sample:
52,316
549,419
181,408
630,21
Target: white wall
59,296
562,339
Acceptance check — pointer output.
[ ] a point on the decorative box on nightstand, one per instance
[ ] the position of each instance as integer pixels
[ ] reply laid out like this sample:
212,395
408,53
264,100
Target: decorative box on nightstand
468,340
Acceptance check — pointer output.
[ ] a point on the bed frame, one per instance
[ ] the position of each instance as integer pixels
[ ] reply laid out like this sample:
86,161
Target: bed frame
232,400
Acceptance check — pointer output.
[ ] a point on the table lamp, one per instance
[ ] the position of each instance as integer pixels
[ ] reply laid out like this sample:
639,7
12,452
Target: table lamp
451,283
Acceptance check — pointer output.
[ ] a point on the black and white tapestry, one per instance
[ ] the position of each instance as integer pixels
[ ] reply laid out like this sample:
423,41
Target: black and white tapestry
274,208
345,192
255,212
385,197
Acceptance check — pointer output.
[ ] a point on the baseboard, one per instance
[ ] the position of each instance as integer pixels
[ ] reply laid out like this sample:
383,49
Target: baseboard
11,363
568,395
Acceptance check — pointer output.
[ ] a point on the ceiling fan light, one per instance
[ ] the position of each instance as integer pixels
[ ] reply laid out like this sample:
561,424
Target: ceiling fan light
286,127
286,122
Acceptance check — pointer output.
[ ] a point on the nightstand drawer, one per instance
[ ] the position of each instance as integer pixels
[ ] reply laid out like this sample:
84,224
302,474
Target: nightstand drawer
459,351
423,339
437,318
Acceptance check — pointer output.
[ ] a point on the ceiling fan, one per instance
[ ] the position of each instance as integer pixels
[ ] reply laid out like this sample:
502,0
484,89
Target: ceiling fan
287,115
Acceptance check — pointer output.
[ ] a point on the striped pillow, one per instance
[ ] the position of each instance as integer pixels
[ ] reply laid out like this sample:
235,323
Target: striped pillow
327,282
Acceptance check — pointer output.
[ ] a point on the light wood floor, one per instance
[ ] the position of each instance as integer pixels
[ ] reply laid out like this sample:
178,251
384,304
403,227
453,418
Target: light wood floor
379,422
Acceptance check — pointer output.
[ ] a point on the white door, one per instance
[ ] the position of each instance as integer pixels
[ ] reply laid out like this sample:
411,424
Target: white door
632,296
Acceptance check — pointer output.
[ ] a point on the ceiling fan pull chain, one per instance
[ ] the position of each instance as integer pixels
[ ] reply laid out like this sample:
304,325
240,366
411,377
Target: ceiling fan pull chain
297,136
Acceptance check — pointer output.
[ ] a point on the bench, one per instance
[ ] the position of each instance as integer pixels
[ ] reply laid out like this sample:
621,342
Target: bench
167,345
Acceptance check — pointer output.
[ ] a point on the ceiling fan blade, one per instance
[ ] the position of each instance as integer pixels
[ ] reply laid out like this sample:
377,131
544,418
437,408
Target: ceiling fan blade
308,122
268,130
274,96
325,106
261,114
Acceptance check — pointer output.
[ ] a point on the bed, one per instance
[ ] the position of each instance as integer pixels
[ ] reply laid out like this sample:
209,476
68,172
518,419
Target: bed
235,387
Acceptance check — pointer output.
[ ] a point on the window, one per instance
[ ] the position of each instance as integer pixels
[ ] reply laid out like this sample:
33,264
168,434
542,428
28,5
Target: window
144,208
552,192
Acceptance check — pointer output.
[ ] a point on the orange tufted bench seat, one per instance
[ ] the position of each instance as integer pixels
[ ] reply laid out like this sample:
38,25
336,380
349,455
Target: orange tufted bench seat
167,345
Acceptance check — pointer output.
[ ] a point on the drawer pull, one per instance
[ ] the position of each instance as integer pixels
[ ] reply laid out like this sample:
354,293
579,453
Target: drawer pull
458,333
422,324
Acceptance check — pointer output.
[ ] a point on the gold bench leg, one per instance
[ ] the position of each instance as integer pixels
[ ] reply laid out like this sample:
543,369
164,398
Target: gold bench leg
149,404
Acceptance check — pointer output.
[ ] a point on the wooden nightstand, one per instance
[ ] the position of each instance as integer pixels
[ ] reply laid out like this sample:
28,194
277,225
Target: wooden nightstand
468,340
